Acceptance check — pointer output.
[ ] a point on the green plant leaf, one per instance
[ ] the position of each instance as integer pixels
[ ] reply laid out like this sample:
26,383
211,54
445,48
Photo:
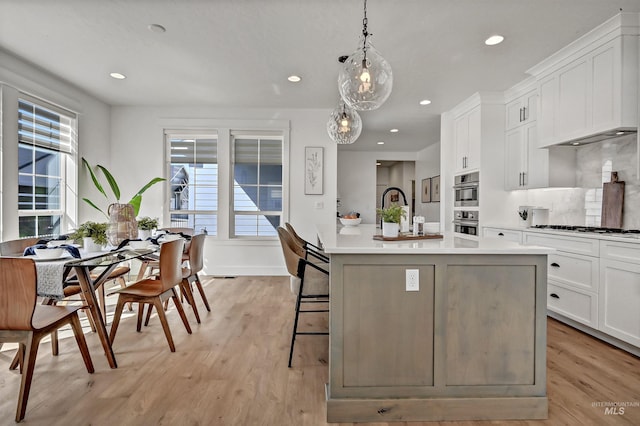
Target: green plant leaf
112,182
152,182
86,200
135,202
95,181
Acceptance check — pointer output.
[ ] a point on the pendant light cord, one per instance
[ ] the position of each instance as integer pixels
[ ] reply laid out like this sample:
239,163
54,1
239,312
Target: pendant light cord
365,33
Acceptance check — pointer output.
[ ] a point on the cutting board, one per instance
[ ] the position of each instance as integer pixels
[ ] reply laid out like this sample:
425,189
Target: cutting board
612,202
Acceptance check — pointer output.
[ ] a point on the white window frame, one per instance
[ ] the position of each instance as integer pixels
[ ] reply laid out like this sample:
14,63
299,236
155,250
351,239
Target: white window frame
68,164
224,128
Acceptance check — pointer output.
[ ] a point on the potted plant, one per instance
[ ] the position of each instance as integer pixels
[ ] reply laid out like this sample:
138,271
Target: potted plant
122,217
92,234
391,219
145,225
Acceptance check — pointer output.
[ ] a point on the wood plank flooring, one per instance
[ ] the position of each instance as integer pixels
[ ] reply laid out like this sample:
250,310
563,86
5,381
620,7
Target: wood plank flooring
233,371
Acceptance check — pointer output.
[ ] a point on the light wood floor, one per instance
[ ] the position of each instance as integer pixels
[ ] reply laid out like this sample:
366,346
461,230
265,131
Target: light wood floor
233,371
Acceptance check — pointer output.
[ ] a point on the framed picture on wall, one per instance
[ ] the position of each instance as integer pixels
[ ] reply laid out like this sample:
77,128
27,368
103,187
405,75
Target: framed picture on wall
435,189
313,170
426,190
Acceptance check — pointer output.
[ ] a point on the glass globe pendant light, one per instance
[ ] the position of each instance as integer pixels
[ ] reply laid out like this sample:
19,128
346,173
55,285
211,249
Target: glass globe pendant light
344,125
366,79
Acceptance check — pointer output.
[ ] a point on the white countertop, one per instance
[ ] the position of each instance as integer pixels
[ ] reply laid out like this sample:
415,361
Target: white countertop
338,239
627,238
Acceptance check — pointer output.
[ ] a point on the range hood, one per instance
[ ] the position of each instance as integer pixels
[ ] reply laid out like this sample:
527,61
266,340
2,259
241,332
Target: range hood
599,137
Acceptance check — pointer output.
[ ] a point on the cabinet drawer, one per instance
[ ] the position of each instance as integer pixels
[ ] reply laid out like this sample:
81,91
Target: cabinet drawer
579,306
575,270
505,234
586,246
625,252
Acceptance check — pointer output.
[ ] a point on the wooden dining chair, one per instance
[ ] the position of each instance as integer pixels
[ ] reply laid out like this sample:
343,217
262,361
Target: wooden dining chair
150,291
190,274
310,283
150,266
25,322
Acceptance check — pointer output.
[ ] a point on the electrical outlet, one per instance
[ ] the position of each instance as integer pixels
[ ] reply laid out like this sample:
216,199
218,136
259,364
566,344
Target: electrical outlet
412,280
319,205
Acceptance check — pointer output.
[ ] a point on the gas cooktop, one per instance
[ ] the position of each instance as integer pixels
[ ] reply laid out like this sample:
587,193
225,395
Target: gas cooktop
592,230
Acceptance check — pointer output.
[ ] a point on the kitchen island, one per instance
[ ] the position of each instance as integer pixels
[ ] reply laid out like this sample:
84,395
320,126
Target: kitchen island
470,343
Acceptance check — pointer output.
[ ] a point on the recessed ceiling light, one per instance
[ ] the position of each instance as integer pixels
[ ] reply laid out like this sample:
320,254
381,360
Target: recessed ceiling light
157,28
378,164
493,40
620,133
294,78
425,102
380,143
394,130
575,143
118,76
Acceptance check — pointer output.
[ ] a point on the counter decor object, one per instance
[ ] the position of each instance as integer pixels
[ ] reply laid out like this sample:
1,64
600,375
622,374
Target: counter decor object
407,237
391,219
612,202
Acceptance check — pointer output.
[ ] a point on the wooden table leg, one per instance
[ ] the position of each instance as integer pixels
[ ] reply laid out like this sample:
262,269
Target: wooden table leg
87,287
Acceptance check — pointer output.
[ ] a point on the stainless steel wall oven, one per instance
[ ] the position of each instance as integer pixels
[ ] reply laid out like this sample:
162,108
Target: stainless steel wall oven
466,189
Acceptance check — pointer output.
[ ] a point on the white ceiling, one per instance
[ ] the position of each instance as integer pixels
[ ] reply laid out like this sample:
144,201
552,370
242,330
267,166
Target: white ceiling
238,53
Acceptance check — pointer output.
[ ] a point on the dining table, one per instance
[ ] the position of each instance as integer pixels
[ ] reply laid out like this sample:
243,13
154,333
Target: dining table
90,271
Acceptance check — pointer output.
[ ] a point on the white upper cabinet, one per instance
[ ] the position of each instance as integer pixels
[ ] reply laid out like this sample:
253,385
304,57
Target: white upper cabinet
522,110
467,140
590,87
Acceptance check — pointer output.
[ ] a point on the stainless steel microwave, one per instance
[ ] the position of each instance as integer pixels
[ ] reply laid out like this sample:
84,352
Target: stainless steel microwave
466,190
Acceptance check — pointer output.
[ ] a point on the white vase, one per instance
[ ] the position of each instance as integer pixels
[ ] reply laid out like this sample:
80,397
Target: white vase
390,229
89,245
143,234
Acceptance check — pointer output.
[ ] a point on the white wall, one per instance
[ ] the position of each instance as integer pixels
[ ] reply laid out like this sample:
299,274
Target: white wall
427,166
357,180
137,148
93,132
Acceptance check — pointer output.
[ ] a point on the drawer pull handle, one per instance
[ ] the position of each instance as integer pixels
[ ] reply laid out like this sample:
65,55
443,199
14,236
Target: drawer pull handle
500,234
555,265
555,296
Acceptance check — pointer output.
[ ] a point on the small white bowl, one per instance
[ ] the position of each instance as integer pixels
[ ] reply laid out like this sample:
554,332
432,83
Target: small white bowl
350,222
56,243
49,253
431,227
137,245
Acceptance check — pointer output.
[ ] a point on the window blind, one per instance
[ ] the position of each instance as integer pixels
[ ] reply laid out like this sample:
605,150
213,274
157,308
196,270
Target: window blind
45,125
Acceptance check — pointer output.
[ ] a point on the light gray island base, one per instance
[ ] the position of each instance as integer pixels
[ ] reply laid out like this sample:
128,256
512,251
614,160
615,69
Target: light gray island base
469,345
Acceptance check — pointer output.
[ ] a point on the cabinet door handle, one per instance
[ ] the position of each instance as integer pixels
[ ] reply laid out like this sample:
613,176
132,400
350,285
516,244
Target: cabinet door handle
555,296
500,234
524,113
524,174
521,115
555,265
519,179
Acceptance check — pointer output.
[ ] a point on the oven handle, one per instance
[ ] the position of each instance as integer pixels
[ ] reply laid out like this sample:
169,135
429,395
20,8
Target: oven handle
465,223
466,185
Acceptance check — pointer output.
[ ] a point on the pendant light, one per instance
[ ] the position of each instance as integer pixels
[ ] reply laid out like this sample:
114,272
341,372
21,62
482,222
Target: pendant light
344,125
365,80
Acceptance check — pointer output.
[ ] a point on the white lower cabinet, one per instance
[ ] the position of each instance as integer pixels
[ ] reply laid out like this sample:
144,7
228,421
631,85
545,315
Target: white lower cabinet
505,234
619,297
580,306
573,276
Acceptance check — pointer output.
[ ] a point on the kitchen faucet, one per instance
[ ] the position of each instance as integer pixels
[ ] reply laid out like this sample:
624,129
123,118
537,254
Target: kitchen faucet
392,188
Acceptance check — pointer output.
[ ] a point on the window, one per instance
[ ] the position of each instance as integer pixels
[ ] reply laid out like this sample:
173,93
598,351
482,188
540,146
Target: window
257,185
231,183
193,182
46,141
